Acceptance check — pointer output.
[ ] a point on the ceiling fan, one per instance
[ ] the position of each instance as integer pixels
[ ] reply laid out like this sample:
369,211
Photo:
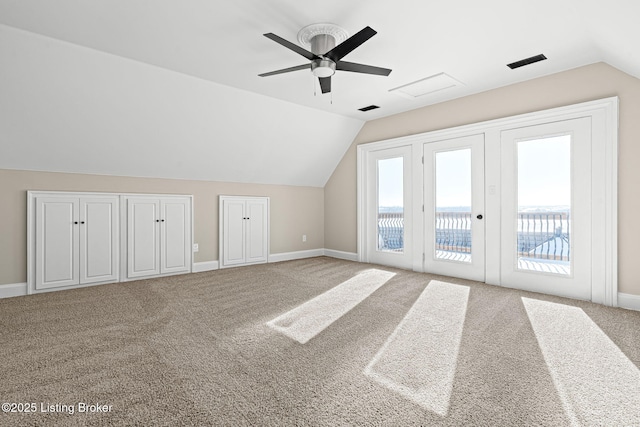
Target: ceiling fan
329,44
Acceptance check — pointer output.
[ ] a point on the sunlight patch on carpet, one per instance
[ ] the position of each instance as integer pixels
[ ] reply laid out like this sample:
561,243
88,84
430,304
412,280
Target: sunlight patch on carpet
597,383
309,319
419,358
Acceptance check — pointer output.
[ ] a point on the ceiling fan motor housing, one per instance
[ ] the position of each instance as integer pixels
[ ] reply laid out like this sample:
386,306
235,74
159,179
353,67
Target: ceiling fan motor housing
321,44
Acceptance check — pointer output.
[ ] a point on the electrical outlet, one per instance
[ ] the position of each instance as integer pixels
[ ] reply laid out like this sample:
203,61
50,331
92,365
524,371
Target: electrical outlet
195,247
304,237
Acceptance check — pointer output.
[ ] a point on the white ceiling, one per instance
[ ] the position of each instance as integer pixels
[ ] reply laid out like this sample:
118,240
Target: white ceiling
222,42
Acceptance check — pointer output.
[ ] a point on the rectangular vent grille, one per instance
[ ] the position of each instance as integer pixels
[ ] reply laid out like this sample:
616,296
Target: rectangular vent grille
369,108
526,61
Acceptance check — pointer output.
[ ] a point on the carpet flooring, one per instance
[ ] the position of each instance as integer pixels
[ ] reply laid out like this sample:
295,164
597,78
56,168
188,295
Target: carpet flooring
197,350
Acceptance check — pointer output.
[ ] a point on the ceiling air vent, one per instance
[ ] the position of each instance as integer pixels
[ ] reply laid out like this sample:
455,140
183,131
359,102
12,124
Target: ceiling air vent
526,61
369,108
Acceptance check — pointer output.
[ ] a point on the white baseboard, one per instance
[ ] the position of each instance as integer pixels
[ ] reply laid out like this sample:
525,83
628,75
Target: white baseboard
13,290
628,301
199,267
20,289
349,256
288,256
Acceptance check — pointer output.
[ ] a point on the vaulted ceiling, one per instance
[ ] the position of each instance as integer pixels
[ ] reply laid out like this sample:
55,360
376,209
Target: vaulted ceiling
170,88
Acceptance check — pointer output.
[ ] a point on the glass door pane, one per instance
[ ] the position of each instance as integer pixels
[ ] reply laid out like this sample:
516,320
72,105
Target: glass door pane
390,205
453,205
544,205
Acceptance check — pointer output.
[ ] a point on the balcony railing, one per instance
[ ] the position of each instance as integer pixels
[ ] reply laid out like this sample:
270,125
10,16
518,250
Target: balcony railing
453,232
391,231
544,235
541,235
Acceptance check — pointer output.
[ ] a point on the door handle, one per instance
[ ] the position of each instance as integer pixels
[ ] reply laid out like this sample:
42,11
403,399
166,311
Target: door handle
479,216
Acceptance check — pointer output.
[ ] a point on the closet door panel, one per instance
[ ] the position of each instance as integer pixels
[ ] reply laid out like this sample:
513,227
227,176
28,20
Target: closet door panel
233,232
175,236
257,241
98,240
143,246
57,242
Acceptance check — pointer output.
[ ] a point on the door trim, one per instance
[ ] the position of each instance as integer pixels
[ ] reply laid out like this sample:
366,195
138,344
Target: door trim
604,115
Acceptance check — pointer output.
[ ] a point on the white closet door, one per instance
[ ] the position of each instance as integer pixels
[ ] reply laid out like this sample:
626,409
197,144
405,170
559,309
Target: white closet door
57,242
233,232
256,231
98,239
175,251
143,246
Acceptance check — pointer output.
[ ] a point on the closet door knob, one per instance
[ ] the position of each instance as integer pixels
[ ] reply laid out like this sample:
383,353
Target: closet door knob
81,222
157,220
75,222
162,220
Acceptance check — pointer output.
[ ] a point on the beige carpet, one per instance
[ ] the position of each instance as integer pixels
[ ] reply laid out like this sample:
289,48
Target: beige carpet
197,350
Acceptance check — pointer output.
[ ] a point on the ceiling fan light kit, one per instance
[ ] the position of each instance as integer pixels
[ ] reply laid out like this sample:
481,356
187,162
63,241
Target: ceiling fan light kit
329,44
323,67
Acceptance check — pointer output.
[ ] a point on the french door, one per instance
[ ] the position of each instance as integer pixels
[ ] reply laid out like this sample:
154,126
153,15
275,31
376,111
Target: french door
526,202
546,208
389,207
454,207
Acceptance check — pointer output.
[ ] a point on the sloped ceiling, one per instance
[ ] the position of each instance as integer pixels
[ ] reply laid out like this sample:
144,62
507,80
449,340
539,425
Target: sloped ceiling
169,88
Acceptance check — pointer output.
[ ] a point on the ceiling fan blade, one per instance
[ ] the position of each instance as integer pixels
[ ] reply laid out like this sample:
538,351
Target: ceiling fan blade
286,70
294,47
361,68
325,84
344,48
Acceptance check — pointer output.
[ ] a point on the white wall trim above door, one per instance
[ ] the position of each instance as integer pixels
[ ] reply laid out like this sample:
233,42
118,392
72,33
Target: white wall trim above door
604,115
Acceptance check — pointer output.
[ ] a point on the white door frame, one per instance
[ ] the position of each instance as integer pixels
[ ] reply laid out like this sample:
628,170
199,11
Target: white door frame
604,173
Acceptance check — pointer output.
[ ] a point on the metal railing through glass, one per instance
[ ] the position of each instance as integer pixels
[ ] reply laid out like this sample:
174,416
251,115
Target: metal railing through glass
541,236
544,235
391,231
